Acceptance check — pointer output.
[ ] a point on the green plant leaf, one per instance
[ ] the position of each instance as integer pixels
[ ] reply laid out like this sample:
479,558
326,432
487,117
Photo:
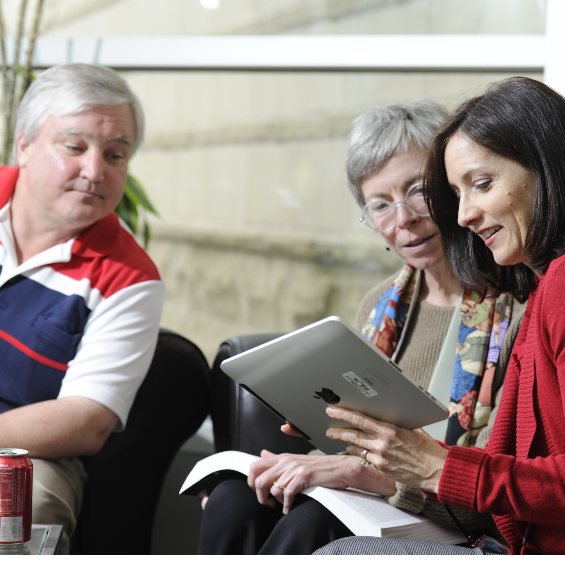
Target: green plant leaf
132,203
146,234
137,194
127,210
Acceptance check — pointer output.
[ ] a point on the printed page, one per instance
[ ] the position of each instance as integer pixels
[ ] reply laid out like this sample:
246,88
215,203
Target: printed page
363,513
232,460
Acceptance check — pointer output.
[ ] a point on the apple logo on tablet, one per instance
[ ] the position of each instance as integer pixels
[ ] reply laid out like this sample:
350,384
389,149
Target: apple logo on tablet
327,395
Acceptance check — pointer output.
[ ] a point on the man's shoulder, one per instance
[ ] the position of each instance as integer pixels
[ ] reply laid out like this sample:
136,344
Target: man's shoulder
131,260
8,179
110,258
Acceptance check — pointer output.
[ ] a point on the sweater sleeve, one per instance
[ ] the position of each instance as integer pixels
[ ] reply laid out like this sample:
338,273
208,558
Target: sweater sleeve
414,500
504,484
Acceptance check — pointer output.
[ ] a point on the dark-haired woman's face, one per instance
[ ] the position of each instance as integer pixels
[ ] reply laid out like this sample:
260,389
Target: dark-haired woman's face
496,197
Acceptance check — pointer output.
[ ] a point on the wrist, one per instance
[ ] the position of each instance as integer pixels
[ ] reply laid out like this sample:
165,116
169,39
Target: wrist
389,487
355,472
431,483
368,478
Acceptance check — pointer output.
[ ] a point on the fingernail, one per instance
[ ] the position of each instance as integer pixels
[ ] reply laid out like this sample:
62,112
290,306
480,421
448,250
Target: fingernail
329,411
329,433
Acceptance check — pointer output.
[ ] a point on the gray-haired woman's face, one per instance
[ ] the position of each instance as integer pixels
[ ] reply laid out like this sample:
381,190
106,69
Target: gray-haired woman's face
414,239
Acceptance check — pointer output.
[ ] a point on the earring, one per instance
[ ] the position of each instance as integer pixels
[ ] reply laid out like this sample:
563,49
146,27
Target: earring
387,247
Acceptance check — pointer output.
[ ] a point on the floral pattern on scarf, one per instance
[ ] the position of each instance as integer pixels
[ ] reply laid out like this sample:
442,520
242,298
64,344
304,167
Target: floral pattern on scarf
482,327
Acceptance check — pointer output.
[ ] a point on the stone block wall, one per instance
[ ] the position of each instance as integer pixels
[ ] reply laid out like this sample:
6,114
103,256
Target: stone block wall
253,282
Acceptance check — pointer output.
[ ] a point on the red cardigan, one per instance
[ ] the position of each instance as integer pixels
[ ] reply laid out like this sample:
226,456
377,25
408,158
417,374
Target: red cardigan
520,477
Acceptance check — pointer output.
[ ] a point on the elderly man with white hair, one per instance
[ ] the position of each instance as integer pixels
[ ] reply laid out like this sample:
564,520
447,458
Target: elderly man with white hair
80,300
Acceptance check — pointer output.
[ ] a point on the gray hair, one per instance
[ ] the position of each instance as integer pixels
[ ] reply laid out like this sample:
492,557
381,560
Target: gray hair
382,131
69,89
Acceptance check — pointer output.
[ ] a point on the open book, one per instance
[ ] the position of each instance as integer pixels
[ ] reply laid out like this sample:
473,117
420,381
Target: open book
365,514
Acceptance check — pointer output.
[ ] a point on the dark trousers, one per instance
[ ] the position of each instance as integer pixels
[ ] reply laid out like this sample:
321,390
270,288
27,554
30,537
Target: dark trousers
234,523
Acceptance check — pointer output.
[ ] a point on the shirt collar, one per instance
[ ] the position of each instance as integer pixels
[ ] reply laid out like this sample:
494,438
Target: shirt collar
98,240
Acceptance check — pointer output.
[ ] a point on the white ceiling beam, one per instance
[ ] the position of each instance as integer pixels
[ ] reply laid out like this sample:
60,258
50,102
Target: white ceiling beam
431,53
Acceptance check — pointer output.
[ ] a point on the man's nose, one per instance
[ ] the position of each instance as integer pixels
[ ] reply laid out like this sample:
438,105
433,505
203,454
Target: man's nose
93,166
404,217
467,214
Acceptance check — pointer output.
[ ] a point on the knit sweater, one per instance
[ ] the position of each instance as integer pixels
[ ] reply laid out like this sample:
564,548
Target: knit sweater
421,347
418,357
520,478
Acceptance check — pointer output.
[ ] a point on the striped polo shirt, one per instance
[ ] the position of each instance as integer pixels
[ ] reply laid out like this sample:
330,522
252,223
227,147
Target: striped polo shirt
79,319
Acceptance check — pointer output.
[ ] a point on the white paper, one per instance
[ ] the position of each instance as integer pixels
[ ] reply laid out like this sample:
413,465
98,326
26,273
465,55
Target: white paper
365,514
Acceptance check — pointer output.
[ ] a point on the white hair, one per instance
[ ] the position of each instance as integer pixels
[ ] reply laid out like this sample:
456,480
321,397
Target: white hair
382,131
69,89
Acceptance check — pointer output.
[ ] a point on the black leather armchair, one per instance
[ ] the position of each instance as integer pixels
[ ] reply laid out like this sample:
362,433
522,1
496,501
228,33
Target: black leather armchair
126,476
240,421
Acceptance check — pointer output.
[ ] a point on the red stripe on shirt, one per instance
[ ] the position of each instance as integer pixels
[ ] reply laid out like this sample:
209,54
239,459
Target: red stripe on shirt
8,179
126,265
31,353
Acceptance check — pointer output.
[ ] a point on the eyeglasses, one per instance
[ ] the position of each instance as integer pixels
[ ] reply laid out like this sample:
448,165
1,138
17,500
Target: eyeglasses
485,543
380,215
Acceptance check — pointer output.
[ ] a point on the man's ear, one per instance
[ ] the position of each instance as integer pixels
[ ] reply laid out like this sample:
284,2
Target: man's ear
22,150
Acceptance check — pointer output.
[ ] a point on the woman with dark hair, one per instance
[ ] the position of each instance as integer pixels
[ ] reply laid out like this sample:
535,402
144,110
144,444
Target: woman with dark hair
416,317
495,185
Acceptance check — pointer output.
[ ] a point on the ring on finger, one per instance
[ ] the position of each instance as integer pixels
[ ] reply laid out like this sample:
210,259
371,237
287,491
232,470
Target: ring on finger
278,486
364,461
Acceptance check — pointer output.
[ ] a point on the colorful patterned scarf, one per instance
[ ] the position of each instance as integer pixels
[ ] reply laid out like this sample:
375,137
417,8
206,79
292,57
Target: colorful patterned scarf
481,331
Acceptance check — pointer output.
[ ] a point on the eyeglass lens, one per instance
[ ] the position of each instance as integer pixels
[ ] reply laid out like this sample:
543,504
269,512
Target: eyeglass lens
381,214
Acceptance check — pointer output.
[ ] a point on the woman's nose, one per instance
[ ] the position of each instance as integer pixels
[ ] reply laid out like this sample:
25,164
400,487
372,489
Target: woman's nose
467,214
404,217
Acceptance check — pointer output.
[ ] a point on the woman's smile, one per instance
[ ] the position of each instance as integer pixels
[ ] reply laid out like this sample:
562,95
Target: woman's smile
489,235
419,244
496,197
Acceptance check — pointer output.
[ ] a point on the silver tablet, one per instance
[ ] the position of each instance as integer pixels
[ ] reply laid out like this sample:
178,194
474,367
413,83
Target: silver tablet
298,375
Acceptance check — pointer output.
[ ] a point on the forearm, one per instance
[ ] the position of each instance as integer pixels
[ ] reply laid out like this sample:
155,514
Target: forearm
57,429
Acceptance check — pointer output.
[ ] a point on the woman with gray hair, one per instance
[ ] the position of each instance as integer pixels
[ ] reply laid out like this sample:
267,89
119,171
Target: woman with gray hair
418,317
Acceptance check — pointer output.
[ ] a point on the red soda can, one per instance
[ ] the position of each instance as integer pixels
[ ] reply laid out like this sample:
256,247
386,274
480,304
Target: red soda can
16,483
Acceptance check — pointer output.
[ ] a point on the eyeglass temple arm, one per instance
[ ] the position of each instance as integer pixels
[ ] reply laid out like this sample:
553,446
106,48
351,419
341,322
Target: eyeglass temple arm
463,529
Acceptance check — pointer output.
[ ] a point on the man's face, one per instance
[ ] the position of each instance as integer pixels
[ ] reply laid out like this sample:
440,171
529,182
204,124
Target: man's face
75,172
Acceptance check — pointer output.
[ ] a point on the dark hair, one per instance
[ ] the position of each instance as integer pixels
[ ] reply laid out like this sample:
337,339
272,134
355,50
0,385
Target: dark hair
524,120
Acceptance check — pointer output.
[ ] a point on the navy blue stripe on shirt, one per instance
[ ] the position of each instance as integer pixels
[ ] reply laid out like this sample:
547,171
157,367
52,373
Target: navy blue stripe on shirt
45,320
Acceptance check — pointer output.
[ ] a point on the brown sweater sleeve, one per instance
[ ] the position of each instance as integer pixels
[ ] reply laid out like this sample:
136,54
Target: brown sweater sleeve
411,499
